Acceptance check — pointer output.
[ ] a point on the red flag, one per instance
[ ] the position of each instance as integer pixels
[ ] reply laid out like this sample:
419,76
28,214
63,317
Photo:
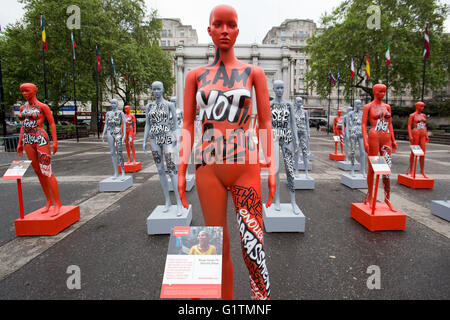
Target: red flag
426,44
73,47
126,75
352,69
99,67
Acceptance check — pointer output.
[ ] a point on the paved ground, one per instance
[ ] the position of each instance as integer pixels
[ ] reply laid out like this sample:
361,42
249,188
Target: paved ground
118,260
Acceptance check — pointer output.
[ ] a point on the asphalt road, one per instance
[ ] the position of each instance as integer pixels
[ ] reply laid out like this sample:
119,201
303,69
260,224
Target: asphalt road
330,260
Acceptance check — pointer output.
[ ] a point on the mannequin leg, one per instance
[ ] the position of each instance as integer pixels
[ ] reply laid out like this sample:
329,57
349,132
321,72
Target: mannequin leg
289,166
173,174
386,152
373,151
276,199
120,154
215,214
248,205
157,152
33,156
362,156
422,158
127,146
55,192
112,151
352,154
133,152
296,158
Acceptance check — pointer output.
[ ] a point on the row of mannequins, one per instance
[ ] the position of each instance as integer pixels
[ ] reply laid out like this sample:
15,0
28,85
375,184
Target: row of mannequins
222,92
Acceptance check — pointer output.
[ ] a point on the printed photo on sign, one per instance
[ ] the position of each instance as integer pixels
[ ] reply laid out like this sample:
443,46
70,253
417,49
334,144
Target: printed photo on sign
379,165
417,150
194,263
17,169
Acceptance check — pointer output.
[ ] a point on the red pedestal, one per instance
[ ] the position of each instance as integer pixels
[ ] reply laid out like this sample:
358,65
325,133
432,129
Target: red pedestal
383,218
37,223
417,182
337,156
131,167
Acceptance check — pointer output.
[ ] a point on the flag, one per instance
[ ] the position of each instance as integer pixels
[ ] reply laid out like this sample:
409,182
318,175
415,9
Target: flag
73,47
44,38
126,76
426,44
99,67
332,79
367,67
114,67
134,82
352,69
388,54
338,78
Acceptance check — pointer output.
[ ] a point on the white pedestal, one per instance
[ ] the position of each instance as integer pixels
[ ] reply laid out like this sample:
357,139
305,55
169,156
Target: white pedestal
301,165
441,209
304,182
284,220
115,185
311,157
190,182
160,222
346,165
355,182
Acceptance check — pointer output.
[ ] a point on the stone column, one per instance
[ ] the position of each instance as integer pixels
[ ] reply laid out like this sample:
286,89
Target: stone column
285,71
180,76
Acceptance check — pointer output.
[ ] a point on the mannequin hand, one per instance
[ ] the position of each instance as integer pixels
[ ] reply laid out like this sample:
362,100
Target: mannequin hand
181,191
55,147
427,138
103,138
145,148
272,187
366,147
20,149
394,147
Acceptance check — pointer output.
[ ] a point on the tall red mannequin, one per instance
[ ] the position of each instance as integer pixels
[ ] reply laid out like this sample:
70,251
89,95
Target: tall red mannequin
418,135
34,140
222,90
130,133
338,127
380,140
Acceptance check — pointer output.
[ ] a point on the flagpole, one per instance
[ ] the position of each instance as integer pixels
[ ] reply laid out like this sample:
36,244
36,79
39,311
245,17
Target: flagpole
2,101
339,91
45,88
98,100
387,84
328,116
74,91
423,77
135,103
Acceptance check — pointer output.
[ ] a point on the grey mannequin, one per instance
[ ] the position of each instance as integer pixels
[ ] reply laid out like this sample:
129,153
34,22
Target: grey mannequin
113,126
354,132
345,121
160,129
283,124
303,134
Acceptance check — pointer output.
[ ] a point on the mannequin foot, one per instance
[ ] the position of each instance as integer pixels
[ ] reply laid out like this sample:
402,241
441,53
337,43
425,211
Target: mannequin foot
389,204
56,209
277,206
167,207
179,210
47,206
424,175
295,209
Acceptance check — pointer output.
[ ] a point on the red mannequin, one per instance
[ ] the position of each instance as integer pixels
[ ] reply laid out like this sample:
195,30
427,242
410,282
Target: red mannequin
231,81
338,127
418,136
380,138
130,133
34,140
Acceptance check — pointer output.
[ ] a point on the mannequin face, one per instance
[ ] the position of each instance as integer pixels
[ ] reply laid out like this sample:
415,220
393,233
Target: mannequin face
114,104
278,88
299,101
157,89
223,28
127,109
420,106
28,91
358,105
379,91
339,113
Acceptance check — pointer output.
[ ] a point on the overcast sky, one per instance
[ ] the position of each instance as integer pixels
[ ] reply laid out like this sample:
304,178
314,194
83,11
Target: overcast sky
256,17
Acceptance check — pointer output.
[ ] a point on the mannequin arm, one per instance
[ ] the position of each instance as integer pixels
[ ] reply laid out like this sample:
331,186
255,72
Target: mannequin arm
48,114
410,121
391,130
147,127
104,128
364,127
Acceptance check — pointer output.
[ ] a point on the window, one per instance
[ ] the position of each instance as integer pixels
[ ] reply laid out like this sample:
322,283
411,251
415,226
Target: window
283,33
164,33
168,42
181,33
283,41
272,41
163,43
301,61
302,42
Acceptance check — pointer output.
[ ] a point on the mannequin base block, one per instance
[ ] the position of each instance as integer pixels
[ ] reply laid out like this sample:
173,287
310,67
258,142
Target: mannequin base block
284,220
346,165
190,182
417,182
304,182
382,220
37,223
131,167
115,185
441,209
301,166
337,156
310,157
355,182
160,222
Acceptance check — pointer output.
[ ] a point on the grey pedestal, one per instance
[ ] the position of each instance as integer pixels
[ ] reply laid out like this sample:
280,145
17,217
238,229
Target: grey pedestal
310,157
284,220
355,182
346,165
303,182
160,222
190,182
441,209
115,185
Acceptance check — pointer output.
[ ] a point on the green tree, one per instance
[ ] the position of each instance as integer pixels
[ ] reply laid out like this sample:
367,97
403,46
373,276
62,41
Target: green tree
119,28
346,35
